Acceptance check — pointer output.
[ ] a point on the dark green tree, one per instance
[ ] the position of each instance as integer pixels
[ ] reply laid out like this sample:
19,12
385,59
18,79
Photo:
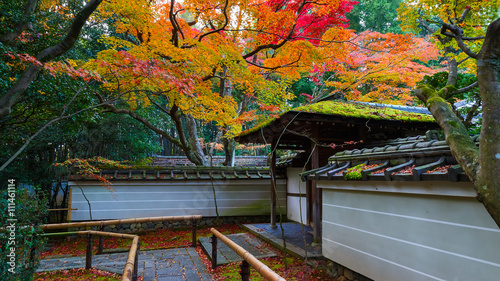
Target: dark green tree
375,15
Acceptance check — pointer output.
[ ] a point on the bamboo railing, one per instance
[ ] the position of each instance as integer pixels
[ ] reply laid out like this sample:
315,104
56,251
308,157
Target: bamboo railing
131,266
121,221
248,259
130,269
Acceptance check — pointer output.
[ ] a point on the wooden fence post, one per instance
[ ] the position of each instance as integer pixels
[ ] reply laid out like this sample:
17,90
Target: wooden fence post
194,234
136,263
100,248
70,204
88,258
33,250
245,271
214,252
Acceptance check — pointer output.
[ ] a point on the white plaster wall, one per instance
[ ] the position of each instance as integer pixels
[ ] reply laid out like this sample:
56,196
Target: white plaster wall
296,205
409,236
135,199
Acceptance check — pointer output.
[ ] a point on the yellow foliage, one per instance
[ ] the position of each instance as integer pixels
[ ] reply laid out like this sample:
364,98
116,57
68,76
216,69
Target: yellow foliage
480,15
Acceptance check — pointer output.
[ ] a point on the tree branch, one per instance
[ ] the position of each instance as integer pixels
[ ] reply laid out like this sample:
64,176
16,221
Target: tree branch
13,94
457,33
8,37
290,64
61,117
226,21
271,46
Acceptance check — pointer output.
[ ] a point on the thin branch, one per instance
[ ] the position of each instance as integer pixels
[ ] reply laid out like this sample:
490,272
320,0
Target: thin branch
277,67
464,14
226,21
271,46
13,94
457,34
473,38
425,25
472,113
466,89
114,109
9,37
61,117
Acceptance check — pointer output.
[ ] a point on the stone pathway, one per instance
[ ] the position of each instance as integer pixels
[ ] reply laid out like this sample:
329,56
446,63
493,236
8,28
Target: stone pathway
164,265
294,236
249,242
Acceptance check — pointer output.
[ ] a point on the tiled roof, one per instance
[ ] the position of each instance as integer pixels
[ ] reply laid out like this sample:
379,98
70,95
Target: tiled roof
241,161
188,173
408,159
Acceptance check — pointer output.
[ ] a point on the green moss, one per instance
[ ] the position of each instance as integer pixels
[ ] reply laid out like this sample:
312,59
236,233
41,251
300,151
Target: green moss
354,173
349,109
445,90
427,90
454,124
434,99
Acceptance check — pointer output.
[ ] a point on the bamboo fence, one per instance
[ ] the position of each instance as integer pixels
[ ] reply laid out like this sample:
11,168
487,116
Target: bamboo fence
130,268
121,221
261,268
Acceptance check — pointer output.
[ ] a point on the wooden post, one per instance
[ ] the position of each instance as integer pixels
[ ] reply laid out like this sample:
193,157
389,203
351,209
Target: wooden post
261,268
136,263
214,252
88,257
245,271
273,183
70,203
100,248
33,249
316,205
194,234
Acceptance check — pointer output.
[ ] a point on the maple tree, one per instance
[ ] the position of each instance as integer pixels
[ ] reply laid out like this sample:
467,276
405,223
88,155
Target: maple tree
468,33
372,67
210,61
378,67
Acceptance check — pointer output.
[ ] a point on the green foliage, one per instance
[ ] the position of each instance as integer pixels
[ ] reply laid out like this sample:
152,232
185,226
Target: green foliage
375,15
300,87
354,173
30,212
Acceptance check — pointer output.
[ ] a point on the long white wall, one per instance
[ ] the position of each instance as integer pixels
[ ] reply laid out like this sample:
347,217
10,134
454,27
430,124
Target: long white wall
135,199
385,232
296,199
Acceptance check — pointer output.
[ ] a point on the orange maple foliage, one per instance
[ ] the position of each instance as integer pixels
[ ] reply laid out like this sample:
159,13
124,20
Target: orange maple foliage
180,51
375,67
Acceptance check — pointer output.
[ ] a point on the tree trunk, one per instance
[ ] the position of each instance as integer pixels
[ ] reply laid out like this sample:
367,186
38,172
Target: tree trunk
488,77
229,151
195,153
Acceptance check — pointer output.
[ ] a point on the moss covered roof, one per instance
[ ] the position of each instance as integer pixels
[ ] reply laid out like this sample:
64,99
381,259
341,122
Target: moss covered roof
353,110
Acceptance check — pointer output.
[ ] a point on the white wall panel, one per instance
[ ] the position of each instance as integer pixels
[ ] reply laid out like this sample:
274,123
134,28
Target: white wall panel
396,236
296,186
134,199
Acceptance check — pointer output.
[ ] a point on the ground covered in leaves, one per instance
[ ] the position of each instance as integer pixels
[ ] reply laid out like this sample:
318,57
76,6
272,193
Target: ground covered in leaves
150,240
172,238
78,274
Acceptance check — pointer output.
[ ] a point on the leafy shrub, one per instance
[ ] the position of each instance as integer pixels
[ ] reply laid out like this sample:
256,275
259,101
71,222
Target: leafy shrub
21,242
